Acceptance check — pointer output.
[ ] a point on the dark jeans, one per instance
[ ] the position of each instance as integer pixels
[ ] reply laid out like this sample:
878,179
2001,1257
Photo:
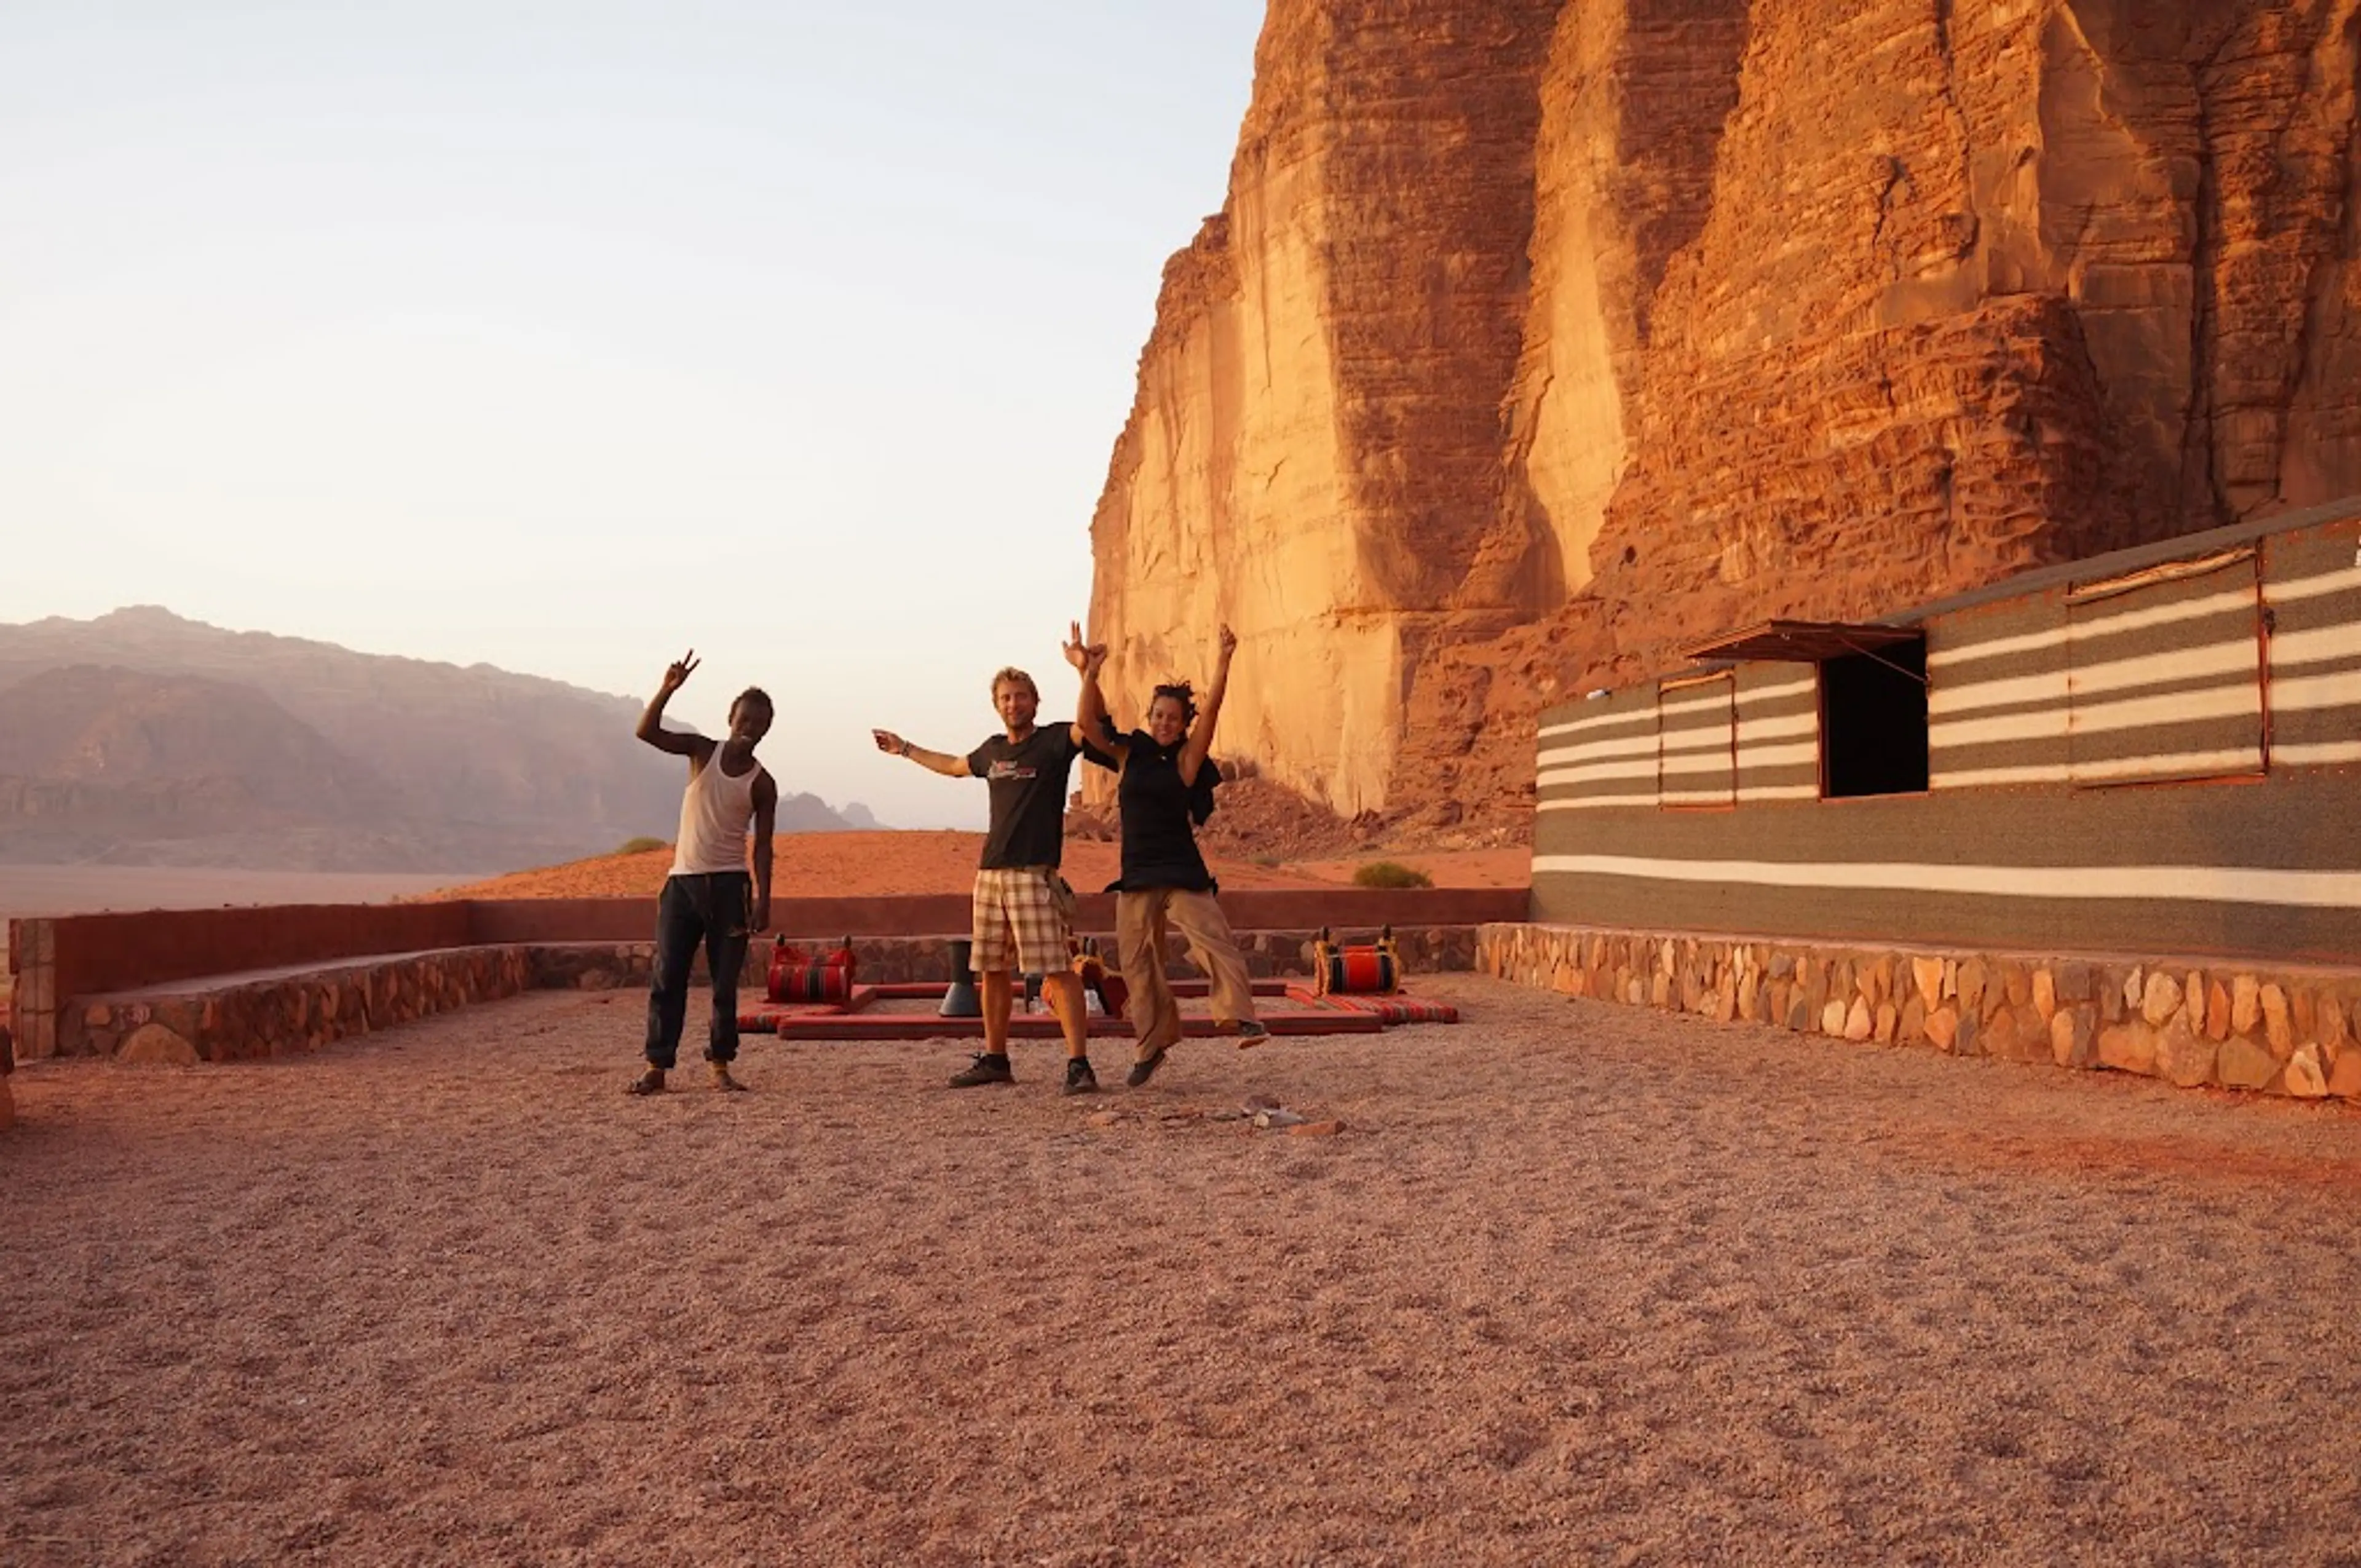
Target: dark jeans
709,909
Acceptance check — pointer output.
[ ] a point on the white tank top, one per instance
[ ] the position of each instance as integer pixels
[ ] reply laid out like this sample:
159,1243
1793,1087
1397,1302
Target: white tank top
715,812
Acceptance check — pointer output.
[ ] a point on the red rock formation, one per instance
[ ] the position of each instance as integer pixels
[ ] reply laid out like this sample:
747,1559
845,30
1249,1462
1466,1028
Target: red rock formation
1317,434
1536,339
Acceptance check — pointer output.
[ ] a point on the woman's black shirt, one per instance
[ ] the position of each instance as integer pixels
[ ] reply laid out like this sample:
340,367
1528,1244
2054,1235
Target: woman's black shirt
1159,842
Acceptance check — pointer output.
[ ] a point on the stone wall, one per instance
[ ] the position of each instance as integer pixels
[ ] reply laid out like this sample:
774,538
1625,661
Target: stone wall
69,962
294,1013
2192,1023
33,998
287,1013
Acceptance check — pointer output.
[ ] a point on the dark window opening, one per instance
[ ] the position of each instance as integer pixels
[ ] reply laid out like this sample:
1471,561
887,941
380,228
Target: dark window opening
1873,721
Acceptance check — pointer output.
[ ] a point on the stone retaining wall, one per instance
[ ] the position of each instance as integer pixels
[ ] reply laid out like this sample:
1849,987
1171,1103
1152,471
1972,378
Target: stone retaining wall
59,964
289,1012
284,1014
2237,1026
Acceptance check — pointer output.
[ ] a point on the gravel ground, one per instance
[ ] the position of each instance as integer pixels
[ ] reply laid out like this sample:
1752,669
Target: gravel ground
1575,1284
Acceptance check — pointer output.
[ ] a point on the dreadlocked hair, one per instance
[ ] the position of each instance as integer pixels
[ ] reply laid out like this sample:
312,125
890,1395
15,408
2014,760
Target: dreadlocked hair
1180,692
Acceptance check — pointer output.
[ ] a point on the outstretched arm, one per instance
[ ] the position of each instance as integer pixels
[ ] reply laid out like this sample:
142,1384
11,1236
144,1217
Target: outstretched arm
1090,712
942,762
766,817
1200,745
680,743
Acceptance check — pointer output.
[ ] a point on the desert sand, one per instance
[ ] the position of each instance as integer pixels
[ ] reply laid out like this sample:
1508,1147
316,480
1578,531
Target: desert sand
943,861
83,890
1574,1283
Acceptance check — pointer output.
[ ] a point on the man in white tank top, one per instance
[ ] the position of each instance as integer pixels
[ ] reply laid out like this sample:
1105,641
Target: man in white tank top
710,898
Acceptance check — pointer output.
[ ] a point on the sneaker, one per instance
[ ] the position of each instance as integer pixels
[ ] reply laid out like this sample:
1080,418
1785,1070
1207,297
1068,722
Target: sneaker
989,1066
722,1081
1081,1077
649,1083
1251,1033
1145,1068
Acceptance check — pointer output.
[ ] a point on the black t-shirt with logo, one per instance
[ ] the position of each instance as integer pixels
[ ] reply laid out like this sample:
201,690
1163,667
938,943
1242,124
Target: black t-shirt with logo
1027,781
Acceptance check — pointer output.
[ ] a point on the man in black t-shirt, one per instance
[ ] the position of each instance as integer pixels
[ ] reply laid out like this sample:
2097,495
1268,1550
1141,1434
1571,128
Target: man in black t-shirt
1023,908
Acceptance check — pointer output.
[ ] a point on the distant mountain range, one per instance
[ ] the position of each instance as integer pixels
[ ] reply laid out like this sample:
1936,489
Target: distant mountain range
144,739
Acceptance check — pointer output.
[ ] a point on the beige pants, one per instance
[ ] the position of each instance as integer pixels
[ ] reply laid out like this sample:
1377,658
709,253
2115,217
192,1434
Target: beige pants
1141,921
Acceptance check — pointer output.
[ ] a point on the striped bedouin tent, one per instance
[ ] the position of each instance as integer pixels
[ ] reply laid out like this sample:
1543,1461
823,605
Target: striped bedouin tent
2161,746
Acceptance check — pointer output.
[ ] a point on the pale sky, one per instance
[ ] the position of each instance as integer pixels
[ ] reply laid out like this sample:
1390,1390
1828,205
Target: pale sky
567,336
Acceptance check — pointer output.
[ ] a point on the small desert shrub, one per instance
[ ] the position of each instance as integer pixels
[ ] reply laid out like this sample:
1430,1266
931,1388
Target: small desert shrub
642,844
1391,873
1268,862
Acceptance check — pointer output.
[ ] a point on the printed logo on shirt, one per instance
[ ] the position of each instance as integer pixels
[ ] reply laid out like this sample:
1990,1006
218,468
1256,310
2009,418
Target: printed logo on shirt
1007,769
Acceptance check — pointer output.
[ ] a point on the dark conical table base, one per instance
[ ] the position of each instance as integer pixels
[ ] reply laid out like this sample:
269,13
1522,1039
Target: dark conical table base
959,1000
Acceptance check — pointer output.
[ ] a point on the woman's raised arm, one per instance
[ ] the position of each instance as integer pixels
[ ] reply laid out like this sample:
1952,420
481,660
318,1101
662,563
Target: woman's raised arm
1200,745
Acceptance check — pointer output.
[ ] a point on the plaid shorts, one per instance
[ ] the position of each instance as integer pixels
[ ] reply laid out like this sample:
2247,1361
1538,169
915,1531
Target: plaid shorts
1022,920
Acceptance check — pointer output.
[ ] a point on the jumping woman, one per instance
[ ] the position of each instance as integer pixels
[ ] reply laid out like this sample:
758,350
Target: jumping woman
1166,789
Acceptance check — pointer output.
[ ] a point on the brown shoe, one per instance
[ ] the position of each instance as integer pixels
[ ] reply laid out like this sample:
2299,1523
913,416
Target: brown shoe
721,1078
649,1083
1145,1068
987,1067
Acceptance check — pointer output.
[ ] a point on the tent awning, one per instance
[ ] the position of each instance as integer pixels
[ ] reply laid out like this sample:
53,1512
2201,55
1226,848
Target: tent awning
1802,642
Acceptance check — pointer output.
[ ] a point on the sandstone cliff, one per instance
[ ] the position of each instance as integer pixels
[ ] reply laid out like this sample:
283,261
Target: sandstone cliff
1535,339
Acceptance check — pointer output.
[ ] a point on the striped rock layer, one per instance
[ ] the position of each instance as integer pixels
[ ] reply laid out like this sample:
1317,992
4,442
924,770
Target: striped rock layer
1535,339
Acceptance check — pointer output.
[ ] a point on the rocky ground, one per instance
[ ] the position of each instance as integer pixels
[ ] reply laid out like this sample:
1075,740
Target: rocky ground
1572,1283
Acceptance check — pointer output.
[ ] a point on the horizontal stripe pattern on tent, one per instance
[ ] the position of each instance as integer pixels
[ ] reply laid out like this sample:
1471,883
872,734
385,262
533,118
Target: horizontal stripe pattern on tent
2214,883
1778,733
1673,744
2227,665
1608,754
2156,681
1697,741
2211,723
